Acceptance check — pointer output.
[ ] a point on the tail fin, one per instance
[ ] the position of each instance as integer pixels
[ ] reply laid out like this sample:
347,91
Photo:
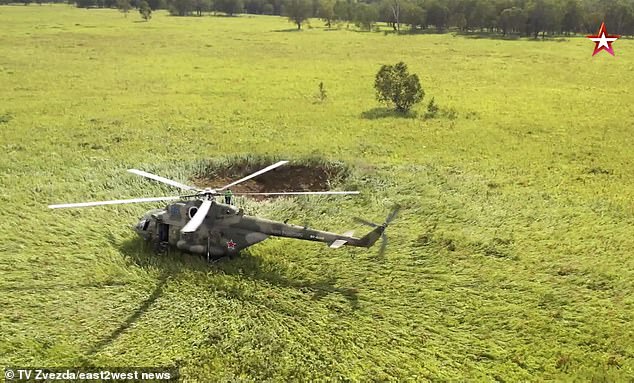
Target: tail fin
369,239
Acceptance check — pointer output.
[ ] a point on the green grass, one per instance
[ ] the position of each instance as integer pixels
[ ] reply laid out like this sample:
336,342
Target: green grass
512,259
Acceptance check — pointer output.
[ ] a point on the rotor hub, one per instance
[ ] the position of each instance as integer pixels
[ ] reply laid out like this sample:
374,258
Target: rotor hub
209,192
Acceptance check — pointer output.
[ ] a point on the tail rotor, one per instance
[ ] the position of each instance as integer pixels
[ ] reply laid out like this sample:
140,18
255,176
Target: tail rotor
385,224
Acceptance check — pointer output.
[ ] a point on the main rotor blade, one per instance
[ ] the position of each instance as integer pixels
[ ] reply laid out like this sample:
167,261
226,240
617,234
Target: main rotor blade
302,193
162,179
266,169
198,218
113,202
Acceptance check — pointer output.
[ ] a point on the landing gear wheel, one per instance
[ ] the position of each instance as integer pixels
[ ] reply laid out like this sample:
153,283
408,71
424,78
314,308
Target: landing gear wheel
161,248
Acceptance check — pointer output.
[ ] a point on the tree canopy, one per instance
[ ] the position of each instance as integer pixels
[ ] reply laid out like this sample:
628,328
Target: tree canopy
519,17
298,11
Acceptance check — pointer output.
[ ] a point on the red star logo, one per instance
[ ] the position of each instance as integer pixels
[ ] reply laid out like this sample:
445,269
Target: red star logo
603,41
231,245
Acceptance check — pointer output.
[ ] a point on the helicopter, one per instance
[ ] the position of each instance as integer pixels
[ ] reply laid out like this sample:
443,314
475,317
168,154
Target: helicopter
198,224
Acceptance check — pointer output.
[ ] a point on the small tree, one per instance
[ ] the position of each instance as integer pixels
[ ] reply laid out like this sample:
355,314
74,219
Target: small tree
395,6
438,14
343,11
202,6
365,15
298,11
395,86
145,10
124,6
326,11
413,15
230,7
180,7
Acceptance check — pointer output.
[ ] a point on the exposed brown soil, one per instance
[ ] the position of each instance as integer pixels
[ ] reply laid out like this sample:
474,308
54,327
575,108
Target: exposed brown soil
283,179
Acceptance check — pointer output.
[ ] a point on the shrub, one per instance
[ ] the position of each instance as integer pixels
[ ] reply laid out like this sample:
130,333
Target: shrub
321,96
395,86
5,118
432,109
145,10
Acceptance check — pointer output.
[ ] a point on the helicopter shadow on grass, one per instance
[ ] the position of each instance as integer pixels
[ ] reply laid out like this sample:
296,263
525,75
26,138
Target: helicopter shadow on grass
132,318
243,265
257,269
157,292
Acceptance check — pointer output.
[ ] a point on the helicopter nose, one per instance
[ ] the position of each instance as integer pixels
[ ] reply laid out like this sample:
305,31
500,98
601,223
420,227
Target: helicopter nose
138,227
142,226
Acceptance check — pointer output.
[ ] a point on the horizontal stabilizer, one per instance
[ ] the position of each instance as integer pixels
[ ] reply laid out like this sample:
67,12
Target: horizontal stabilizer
338,243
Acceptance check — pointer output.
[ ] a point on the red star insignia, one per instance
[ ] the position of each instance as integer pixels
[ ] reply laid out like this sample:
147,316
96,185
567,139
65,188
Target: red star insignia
603,41
231,245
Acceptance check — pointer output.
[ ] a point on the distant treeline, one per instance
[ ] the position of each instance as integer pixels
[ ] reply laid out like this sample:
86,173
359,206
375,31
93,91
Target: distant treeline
519,17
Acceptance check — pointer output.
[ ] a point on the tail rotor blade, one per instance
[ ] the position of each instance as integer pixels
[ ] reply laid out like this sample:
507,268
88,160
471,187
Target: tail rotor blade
383,246
364,222
388,220
392,214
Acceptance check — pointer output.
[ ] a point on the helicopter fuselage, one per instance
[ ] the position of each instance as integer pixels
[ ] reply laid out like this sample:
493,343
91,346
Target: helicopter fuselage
202,226
226,230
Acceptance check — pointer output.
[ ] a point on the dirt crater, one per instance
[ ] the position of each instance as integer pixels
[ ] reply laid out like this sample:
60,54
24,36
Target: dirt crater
305,175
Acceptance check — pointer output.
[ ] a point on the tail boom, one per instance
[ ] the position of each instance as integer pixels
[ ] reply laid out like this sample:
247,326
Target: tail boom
370,239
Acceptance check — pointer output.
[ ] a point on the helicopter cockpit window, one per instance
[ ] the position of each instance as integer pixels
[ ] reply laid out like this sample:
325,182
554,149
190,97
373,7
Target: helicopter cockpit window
192,211
146,224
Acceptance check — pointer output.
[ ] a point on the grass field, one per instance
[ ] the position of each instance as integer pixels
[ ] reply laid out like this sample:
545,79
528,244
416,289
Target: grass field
512,259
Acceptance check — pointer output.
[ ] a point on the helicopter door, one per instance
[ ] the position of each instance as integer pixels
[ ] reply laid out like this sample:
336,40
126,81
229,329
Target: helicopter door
163,232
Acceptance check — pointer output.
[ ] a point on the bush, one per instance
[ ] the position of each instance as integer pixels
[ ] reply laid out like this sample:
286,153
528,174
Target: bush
432,109
145,10
5,118
395,86
321,96
298,11
124,6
